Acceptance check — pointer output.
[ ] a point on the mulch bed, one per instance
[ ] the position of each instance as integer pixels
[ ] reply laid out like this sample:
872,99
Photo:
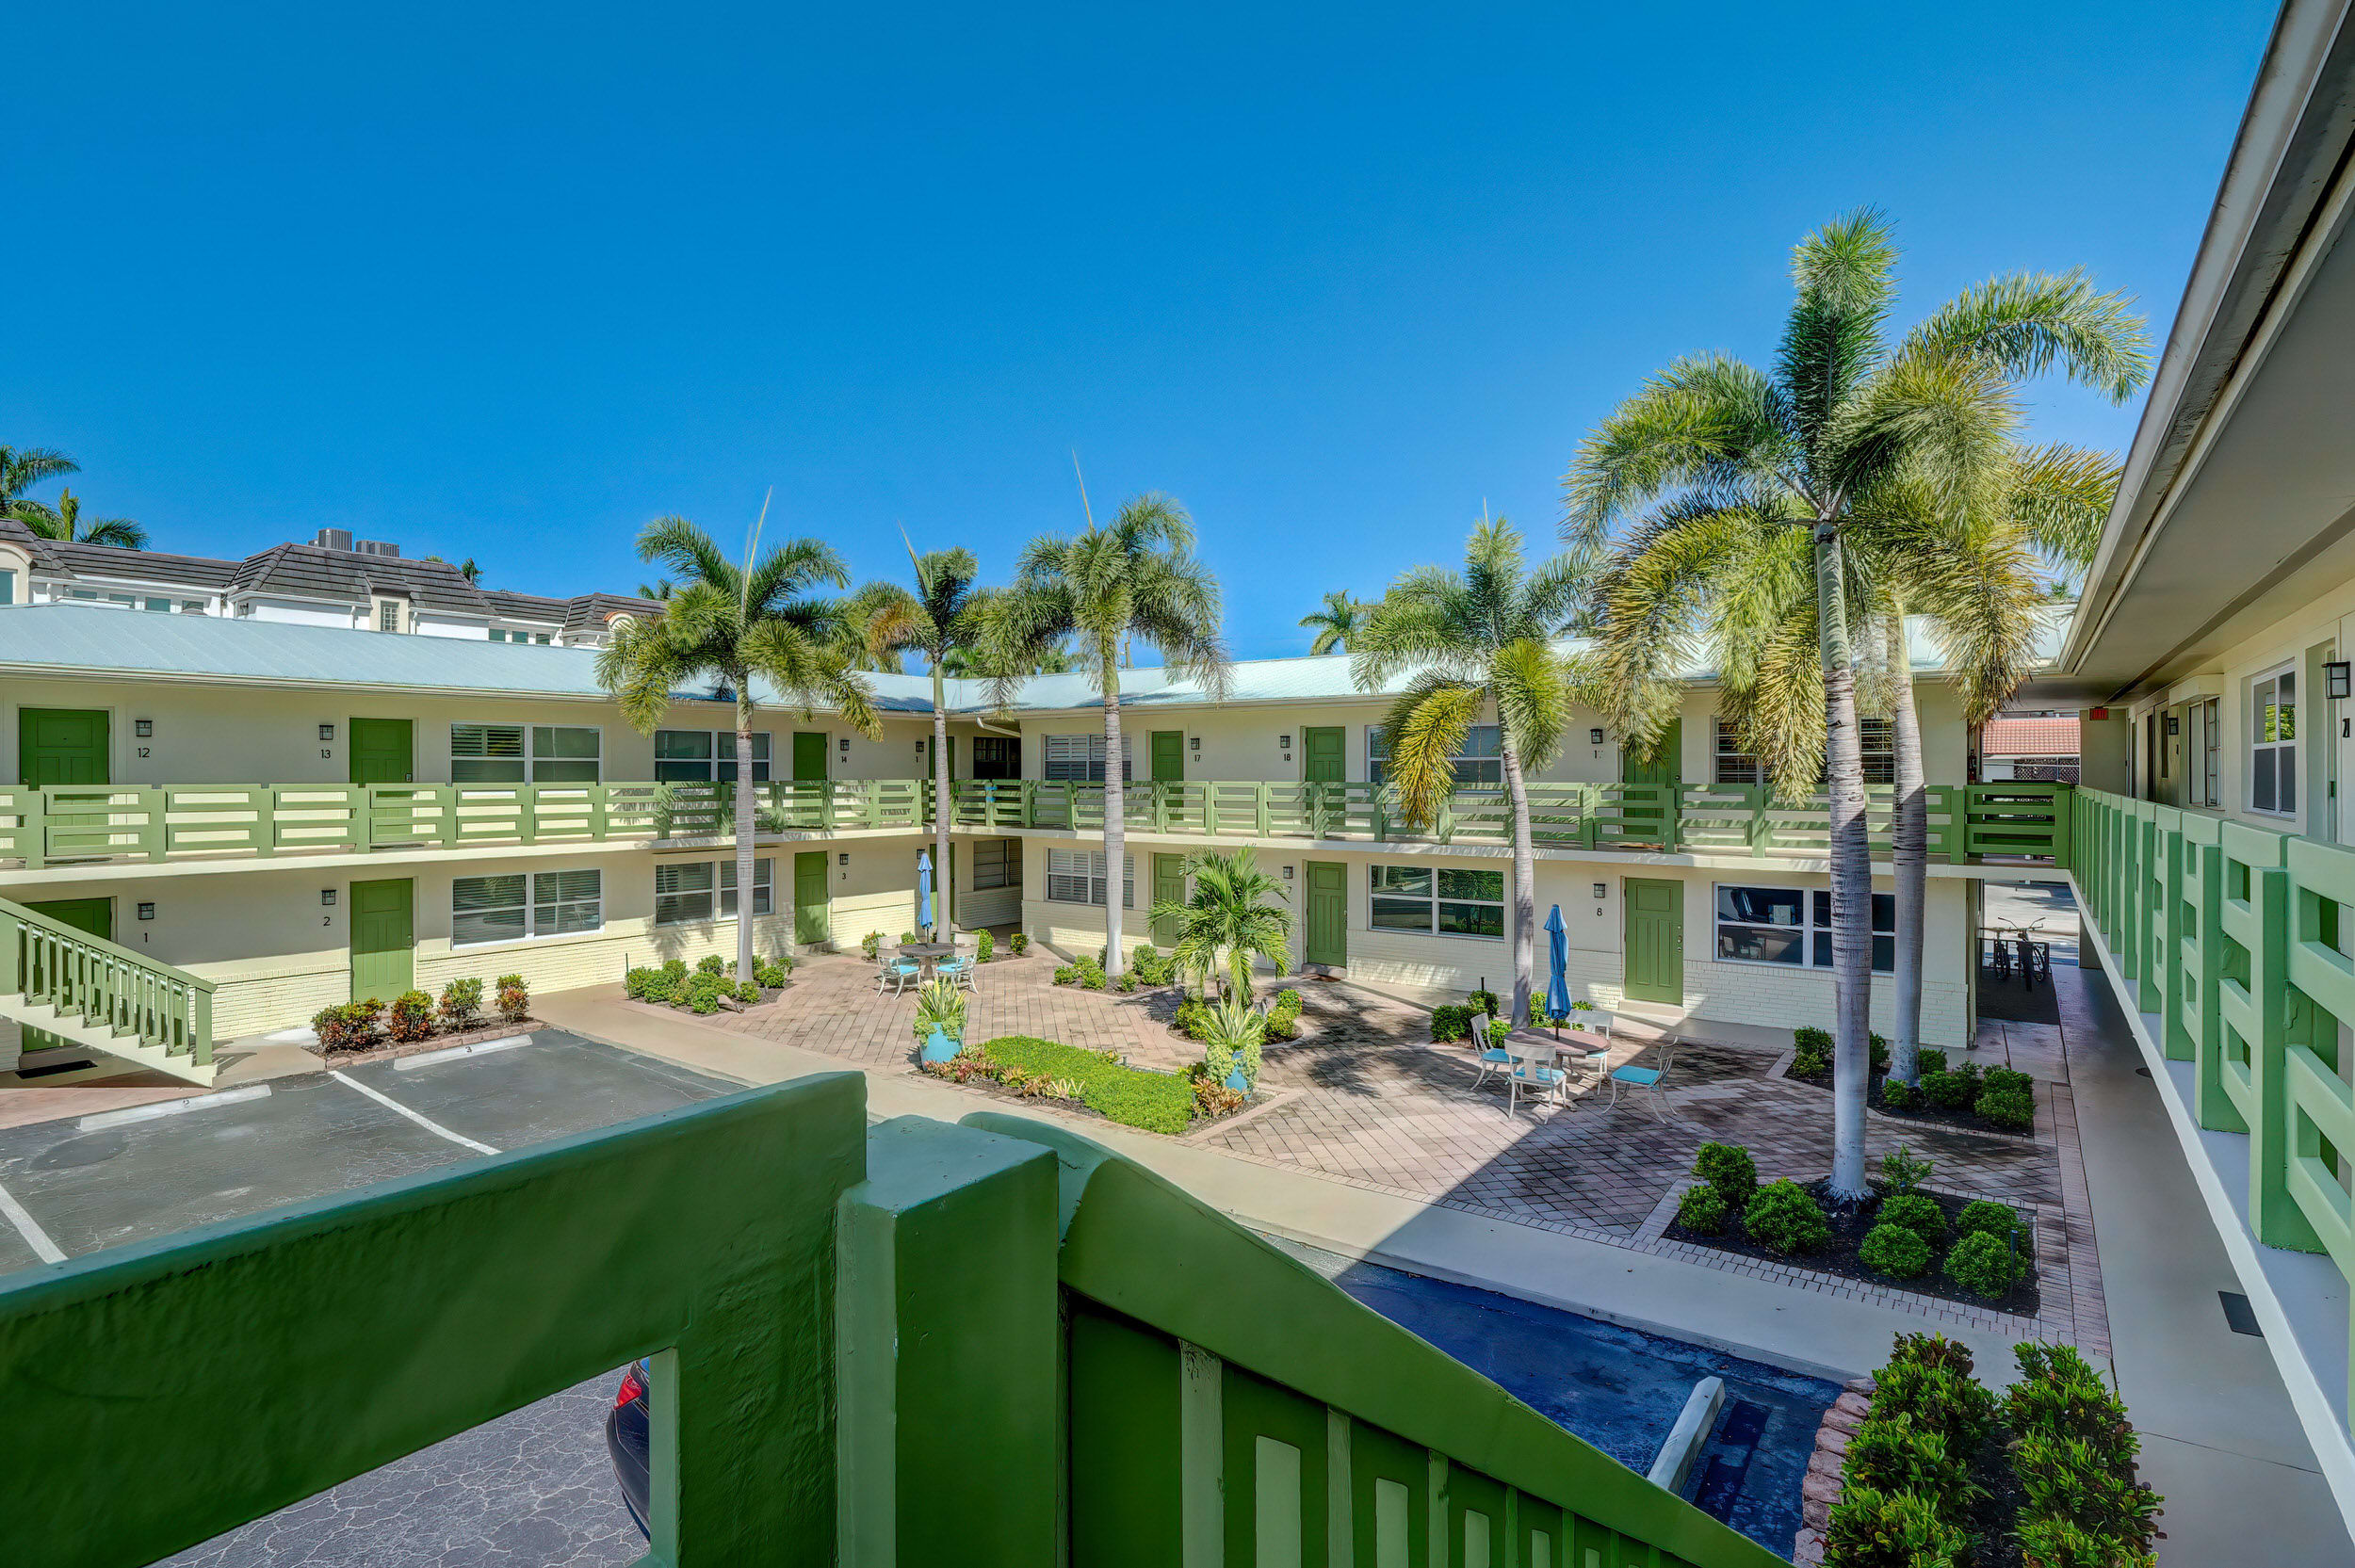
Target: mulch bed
500,1030
1849,1230
1965,1120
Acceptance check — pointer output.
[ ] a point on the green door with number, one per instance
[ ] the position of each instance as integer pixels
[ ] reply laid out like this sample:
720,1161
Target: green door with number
92,916
62,746
383,939
1169,757
809,756
1323,755
1327,940
1655,940
383,751
1667,766
1169,885
810,924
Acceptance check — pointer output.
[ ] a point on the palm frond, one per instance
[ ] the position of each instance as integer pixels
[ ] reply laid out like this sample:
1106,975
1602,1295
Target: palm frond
2023,323
1845,273
1707,423
1423,736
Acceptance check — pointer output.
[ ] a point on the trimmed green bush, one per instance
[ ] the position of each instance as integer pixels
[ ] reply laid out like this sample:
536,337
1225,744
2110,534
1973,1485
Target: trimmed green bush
1809,1038
1879,1048
1156,1102
2005,1080
1020,943
1066,974
1895,1251
768,975
1990,1218
1870,1528
702,994
460,1001
1892,1452
411,1017
1091,975
1940,1398
1930,1058
711,963
871,946
1952,1090
675,968
1898,1096
1903,1172
1192,1018
984,947
1451,1022
1981,1266
1915,1213
748,992
2007,1112
1702,1210
1727,1167
649,985
1807,1063
2074,1457
1483,1002
1785,1218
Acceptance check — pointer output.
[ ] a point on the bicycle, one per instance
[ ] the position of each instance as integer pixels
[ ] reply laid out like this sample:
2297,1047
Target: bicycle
2035,957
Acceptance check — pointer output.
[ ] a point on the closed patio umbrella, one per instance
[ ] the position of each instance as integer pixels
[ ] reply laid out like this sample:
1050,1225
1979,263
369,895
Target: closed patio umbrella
924,892
1558,959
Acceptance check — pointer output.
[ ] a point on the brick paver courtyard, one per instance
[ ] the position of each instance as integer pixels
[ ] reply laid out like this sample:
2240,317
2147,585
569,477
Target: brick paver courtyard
1364,1097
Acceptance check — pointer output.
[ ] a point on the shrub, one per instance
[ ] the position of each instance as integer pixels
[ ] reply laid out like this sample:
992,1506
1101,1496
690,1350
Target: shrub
1728,1169
1230,1040
1499,1032
1918,1214
347,1025
871,946
1156,1102
1213,1097
711,963
2004,1081
411,1018
1811,1052
1983,1266
643,985
1938,1399
1152,966
1450,1021
1066,974
748,992
906,937
1702,1210
1930,1058
1989,1219
1784,1218
1483,1002
1809,1038
1192,1018
460,1001
1951,1090
2074,1455
1286,1002
1126,983
1870,1528
1019,942
2007,1112
1283,1028
1091,973
675,968
1902,1172
1879,1049
1895,1251
1892,1452
769,976
1898,1096
984,947
701,995
514,998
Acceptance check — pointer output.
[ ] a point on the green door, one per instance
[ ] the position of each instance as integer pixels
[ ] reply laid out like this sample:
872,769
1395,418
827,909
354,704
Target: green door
809,895
1328,913
1169,884
62,746
95,916
809,756
382,751
1667,768
1655,940
383,939
1323,757
1169,757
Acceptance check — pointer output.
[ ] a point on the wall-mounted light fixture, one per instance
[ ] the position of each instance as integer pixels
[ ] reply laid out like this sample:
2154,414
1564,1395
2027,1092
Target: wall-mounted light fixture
327,898
919,747
1283,743
1602,890
1594,737
1287,873
843,859
2175,723
327,732
143,728
846,745
2334,678
1193,742
147,912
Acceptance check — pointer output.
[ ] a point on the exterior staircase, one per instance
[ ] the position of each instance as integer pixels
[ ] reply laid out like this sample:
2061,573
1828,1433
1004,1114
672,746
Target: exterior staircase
95,994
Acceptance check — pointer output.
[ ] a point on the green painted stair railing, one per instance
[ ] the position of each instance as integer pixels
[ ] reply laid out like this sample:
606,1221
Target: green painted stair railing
126,995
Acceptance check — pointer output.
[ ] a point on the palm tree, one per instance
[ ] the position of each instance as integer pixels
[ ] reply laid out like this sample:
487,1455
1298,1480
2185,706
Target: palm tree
1477,640
1135,577
727,626
1235,913
20,469
1336,622
1053,659
941,617
65,524
659,589
1758,468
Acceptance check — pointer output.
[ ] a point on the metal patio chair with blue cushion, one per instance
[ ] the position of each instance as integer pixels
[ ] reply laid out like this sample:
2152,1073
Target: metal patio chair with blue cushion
1531,1071
957,971
897,974
1495,1060
1649,1082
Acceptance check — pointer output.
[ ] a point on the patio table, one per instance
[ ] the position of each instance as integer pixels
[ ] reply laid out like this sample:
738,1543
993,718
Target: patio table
927,953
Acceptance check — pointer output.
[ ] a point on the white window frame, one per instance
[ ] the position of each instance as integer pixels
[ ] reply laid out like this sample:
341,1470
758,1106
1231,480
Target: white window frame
1471,765
1814,928
1067,870
534,752
1382,888
689,880
1079,758
2284,747
763,887
541,905
719,759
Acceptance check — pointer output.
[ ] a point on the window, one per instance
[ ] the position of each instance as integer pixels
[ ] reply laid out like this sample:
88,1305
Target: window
498,636
2273,743
997,756
1081,757
1792,926
510,908
388,615
161,606
1731,765
688,756
8,588
2207,730
997,862
1437,900
1479,766
762,887
682,891
191,606
513,754
1077,877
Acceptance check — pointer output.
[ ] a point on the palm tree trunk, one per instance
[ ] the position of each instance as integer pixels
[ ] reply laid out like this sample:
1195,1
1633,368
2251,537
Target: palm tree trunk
1851,873
940,799
744,834
1524,883
1115,809
1910,858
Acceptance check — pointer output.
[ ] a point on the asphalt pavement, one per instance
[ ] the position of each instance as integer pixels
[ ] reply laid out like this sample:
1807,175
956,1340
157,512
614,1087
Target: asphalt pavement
531,1488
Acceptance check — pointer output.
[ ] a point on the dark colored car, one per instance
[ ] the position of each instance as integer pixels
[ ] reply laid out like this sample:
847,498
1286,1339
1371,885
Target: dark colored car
625,1438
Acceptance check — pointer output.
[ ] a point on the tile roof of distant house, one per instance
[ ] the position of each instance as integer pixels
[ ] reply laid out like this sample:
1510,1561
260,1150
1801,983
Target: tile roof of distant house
594,611
2029,738
314,572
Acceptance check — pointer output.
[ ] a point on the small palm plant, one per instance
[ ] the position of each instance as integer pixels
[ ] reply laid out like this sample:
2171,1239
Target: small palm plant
1336,622
1230,1042
1234,916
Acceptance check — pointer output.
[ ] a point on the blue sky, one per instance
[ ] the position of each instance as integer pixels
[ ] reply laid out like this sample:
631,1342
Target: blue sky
511,286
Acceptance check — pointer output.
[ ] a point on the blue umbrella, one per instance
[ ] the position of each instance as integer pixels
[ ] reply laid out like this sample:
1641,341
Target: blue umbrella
1558,956
924,891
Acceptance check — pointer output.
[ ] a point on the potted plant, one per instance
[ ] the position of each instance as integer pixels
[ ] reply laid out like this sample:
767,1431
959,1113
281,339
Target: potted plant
1231,1033
940,1020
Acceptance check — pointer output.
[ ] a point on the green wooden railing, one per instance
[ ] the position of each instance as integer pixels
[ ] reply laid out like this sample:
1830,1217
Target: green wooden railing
77,822
993,1345
126,993
2230,937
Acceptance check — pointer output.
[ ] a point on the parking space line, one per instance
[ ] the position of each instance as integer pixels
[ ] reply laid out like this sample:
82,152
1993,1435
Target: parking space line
426,1122
27,1227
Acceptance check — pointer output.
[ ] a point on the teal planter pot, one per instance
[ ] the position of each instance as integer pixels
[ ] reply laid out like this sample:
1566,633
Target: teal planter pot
939,1047
1235,1081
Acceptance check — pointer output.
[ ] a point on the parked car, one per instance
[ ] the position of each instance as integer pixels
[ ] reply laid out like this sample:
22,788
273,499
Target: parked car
627,1426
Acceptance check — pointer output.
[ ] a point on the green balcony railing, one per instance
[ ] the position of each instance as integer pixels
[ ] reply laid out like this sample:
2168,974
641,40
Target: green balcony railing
90,981
88,822
996,1345
2229,937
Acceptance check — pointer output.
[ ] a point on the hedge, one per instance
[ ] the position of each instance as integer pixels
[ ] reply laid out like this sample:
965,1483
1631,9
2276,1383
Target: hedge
1156,1102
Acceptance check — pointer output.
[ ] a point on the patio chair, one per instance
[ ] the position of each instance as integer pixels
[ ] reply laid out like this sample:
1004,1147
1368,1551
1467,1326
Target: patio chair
1649,1082
958,970
1596,1062
897,974
1531,1071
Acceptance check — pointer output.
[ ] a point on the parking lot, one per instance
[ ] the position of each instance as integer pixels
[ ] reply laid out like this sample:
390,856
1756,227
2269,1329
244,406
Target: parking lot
531,1488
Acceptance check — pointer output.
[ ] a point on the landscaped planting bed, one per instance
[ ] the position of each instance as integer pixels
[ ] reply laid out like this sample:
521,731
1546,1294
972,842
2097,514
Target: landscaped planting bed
1969,1098
707,988
1098,1081
368,1031
1902,1238
1942,1473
